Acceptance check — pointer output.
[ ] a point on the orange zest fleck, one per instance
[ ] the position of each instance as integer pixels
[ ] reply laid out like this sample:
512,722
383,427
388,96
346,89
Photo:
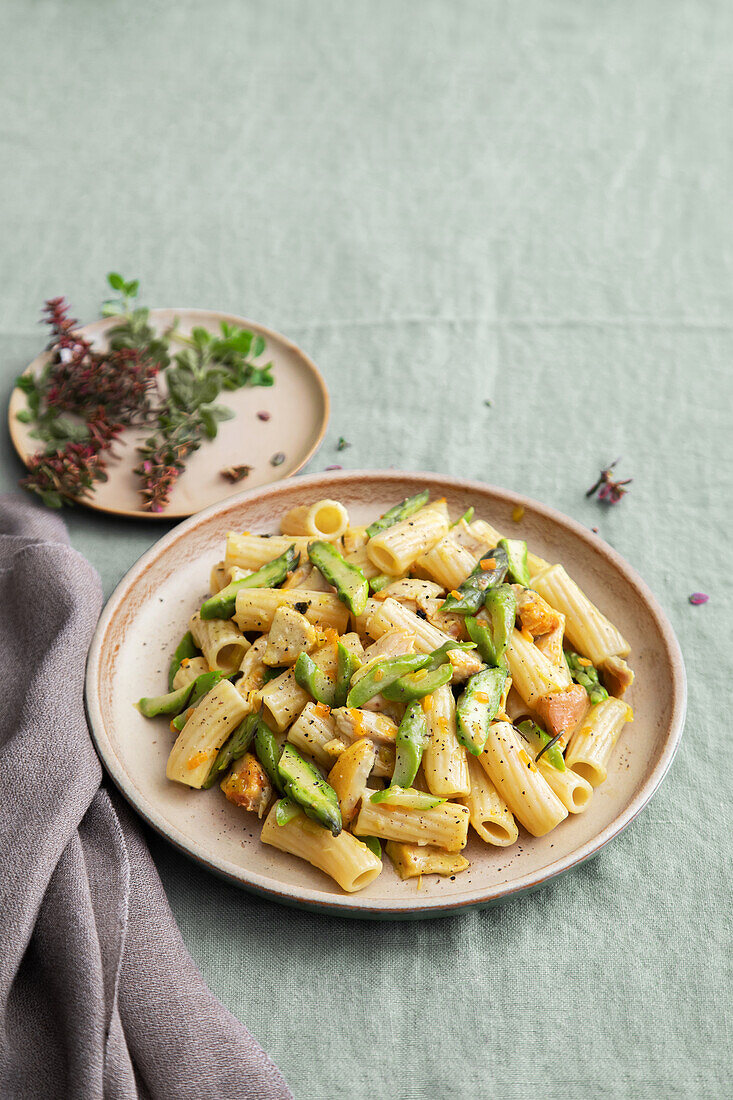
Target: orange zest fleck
420,675
185,662
322,710
518,514
378,674
427,704
456,594
584,662
196,760
358,719
482,697
488,563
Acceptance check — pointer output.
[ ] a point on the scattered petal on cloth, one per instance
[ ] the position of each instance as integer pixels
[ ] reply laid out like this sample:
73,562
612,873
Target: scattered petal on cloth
98,995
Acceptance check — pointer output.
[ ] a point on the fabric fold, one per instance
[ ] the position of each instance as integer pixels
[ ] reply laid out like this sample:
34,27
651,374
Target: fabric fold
98,994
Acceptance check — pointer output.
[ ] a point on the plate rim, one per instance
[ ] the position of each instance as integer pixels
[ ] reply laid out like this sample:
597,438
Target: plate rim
93,328
352,905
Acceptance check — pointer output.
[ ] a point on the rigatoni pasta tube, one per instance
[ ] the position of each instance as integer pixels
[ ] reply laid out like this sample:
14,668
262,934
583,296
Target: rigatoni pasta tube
343,857
313,729
217,715
573,791
326,519
518,781
591,744
391,615
454,557
445,826
221,642
256,607
253,551
444,759
587,629
361,560
533,674
393,551
489,814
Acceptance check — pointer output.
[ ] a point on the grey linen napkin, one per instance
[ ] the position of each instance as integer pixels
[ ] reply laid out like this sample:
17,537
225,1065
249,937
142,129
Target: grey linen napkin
98,995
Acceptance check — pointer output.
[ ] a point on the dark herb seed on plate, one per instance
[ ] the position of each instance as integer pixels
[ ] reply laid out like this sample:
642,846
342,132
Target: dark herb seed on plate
278,459
236,473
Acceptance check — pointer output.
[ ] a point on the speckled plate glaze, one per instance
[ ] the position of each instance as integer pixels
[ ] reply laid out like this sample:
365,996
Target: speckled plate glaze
148,612
298,408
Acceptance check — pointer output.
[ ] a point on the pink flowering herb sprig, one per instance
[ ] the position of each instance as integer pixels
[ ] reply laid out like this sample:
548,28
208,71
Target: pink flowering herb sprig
83,399
79,404
608,490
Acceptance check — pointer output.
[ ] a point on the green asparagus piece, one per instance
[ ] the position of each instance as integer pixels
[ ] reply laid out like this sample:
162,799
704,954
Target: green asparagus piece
477,707
286,810
380,581
346,666
439,656
382,674
223,604
233,748
352,587
267,752
313,680
172,703
416,685
373,843
407,798
467,516
186,648
586,676
492,634
535,733
403,510
412,737
273,673
305,785
516,552
201,685
470,596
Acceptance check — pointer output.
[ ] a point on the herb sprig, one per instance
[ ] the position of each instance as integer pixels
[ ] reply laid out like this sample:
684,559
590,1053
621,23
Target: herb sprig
83,399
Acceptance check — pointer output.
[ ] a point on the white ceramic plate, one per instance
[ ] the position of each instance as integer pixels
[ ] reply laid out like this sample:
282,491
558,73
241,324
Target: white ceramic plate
298,405
148,613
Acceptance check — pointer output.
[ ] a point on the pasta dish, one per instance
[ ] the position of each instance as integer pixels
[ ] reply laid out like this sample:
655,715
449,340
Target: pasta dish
382,689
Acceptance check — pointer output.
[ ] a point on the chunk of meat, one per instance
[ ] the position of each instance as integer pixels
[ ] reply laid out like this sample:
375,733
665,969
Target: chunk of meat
551,643
562,710
535,613
247,785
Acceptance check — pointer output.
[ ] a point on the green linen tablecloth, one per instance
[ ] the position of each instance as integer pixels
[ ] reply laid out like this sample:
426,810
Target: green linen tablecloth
445,204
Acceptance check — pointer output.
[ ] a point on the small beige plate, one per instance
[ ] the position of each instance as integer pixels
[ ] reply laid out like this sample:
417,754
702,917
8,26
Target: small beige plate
149,611
298,405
